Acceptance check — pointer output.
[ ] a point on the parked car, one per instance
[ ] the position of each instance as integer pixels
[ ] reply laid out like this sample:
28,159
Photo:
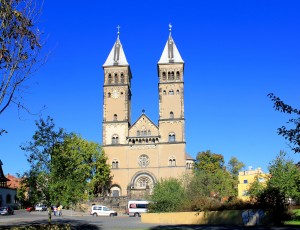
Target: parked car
136,207
29,209
40,207
100,210
6,210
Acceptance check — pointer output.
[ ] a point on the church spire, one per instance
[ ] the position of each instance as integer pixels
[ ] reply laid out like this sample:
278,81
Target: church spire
116,56
170,53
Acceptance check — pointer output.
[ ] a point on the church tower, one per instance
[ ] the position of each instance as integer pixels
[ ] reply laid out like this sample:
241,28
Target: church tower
171,102
117,96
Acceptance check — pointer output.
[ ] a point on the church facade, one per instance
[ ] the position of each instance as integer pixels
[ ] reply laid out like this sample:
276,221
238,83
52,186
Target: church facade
143,152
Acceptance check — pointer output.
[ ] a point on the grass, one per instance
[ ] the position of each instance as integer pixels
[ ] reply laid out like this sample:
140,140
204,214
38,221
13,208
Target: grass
296,218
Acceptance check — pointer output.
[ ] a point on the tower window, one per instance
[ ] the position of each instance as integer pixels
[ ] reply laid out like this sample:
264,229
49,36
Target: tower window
171,92
122,78
109,95
109,79
164,92
164,76
116,79
171,115
177,75
177,91
172,137
115,164
115,140
115,117
171,75
172,161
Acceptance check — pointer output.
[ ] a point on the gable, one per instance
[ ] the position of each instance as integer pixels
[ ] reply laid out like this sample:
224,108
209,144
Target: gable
143,127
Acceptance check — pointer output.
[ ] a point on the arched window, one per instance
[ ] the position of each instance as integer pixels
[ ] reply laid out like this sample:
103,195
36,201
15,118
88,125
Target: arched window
109,79
109,95
116,79
164,76
171,92
115,139
177,91
172,161
164,92
149,132
138,133
171,115
177,75
172,137
122,78
115,117
115,164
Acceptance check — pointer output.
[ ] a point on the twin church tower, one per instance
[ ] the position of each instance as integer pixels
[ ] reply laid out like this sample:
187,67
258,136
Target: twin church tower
142,153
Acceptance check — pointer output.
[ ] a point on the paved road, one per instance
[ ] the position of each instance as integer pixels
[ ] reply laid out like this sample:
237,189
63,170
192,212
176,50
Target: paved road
84,221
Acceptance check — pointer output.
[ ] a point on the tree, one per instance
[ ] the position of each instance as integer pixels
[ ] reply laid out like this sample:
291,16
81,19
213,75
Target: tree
208,161
19,49
234,166
168,196
43,147
63,166
290,134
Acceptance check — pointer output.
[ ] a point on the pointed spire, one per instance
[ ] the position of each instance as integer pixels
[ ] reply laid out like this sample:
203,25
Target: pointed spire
170,53
116,56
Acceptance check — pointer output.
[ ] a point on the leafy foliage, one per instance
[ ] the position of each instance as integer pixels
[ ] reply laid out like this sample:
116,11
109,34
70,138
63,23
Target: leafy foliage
290,134
20,46
168,196
63,166
208,162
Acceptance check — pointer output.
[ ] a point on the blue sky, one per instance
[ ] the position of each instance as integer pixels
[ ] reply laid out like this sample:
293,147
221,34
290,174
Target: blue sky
235,53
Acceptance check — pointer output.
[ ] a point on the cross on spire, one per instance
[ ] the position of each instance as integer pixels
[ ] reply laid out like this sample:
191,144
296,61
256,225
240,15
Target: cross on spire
170,27
118,27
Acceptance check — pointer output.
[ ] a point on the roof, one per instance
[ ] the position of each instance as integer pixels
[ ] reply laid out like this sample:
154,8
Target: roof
170,53
188,157
116,56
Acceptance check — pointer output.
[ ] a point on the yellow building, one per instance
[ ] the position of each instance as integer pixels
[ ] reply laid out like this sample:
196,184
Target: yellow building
143,152
246,178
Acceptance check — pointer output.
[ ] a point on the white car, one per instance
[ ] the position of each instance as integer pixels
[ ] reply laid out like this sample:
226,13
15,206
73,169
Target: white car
40,207
100,210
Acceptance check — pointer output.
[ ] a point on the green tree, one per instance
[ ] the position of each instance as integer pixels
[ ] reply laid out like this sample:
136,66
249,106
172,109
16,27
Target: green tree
64,166
290,134
168,196
234,166
208,161
19,49
43,147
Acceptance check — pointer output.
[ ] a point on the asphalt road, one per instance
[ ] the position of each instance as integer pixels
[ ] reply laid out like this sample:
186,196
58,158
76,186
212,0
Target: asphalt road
84,221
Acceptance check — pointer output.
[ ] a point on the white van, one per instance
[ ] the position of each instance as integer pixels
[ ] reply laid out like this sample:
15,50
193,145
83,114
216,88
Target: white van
136,207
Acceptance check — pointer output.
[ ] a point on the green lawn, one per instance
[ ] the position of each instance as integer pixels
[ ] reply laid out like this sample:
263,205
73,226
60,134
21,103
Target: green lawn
296,219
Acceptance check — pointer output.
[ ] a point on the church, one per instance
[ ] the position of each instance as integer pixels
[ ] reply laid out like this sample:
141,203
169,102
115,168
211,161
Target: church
143,152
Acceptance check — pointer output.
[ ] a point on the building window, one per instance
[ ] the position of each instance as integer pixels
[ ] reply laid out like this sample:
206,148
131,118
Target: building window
164,77
138,133
149,132
245,181
172,137
171,75
164,92
109,79
171,92
8,199
177,75
115,117
115,164
115,140
116,79
143,160
172,161
109,95
177,91
122,78
171,115
189,165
